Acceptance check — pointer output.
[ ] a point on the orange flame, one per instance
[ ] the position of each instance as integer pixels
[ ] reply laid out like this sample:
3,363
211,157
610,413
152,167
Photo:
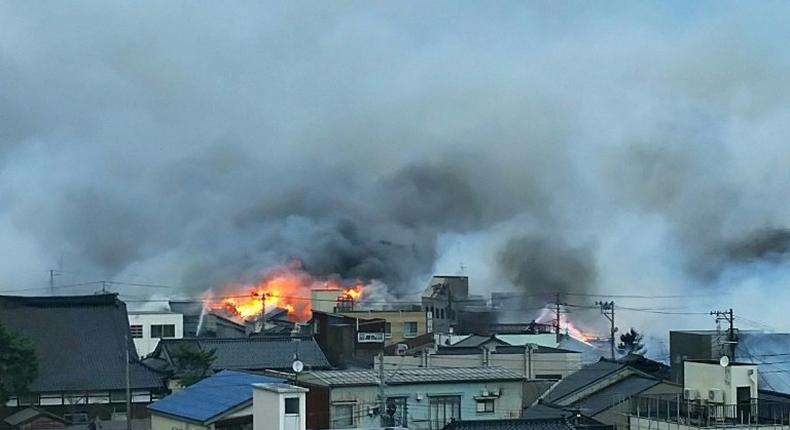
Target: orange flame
285,287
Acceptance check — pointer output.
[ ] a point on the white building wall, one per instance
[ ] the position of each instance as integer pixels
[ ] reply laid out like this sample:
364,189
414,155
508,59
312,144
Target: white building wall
268,406
146,344
705,376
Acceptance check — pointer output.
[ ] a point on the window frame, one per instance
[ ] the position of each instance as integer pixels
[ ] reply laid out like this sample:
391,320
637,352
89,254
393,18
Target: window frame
291,401
351,416
485,403
409,334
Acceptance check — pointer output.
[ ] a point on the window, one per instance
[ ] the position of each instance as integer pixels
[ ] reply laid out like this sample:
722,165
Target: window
485,406
28,399
117,396
549,376
441,314
343,415
292,405
410,329
77,418
163,330
442,409
397,412
387,329
137,331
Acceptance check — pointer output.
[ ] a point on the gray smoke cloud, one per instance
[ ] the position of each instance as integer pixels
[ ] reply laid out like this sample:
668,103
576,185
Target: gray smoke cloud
630,147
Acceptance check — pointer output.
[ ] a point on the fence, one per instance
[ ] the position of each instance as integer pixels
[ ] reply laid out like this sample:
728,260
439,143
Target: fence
673,408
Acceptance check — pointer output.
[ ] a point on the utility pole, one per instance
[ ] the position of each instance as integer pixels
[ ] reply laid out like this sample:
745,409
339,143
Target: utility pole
558,317
730,318
128,383
607,310
52,274
382,384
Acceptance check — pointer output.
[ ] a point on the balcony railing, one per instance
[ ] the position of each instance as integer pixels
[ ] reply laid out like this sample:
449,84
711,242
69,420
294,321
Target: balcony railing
694,413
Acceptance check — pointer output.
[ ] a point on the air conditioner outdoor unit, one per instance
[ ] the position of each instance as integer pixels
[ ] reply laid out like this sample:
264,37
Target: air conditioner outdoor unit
715,395
690,394
401,349
484,392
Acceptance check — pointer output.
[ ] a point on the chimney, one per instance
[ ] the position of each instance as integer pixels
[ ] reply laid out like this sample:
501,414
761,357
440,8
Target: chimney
279,407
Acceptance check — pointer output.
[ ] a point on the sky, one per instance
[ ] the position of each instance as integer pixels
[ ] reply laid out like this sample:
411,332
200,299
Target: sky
612,149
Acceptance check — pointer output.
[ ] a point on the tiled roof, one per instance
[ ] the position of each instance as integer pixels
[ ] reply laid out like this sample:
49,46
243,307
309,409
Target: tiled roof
80,342
500,349
581,378
614,394
212,397
513,424
255,353
416,376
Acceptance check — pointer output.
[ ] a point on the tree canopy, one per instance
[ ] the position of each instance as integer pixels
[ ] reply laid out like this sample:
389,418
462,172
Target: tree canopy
18,364
631,343
192,363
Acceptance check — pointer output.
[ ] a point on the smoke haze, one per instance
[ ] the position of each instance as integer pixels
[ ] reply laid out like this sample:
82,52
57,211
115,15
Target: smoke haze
620,148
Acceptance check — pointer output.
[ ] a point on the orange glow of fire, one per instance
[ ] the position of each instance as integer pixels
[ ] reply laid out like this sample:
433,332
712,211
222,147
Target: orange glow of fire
576,333
284,287
352,293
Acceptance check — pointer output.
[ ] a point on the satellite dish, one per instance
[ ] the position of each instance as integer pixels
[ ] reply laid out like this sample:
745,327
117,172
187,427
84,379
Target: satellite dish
724,361
297,366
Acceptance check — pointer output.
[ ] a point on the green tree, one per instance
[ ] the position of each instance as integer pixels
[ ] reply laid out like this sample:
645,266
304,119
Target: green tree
18,364
631,343
193,363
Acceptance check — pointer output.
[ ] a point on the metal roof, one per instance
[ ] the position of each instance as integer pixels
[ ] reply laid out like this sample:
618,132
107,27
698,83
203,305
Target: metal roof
80,342
425,375
212,397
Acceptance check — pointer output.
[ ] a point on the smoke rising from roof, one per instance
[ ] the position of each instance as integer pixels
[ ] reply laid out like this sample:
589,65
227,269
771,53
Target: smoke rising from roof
544,145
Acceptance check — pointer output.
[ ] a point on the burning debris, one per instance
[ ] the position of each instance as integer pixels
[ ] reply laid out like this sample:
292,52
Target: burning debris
286,287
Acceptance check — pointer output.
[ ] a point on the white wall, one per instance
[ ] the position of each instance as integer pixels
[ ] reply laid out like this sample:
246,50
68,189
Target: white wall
268,406
147,344
705,376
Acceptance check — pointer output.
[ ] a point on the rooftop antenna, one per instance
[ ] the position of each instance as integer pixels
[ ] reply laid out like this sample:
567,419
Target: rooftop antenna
462,268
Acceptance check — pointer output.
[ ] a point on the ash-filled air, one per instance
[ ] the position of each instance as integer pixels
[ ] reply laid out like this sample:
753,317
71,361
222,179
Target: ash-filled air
624,149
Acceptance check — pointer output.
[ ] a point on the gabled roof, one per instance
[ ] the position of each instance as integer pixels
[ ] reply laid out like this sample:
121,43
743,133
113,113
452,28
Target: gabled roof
582,378
614,394
80,342
250,353
211,398
20,417
427,375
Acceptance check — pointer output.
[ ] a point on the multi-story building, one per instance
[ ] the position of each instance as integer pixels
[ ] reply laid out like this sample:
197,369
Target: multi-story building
148,327
716,394
417,398
398,324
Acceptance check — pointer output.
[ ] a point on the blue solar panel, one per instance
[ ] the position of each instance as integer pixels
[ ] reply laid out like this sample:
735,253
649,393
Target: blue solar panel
212,396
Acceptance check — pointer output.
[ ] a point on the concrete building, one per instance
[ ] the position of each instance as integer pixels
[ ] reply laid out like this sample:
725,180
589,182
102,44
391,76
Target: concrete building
445,297
532,361
715,394
399,324
148,327
417,398
749,345
279,407
348,341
